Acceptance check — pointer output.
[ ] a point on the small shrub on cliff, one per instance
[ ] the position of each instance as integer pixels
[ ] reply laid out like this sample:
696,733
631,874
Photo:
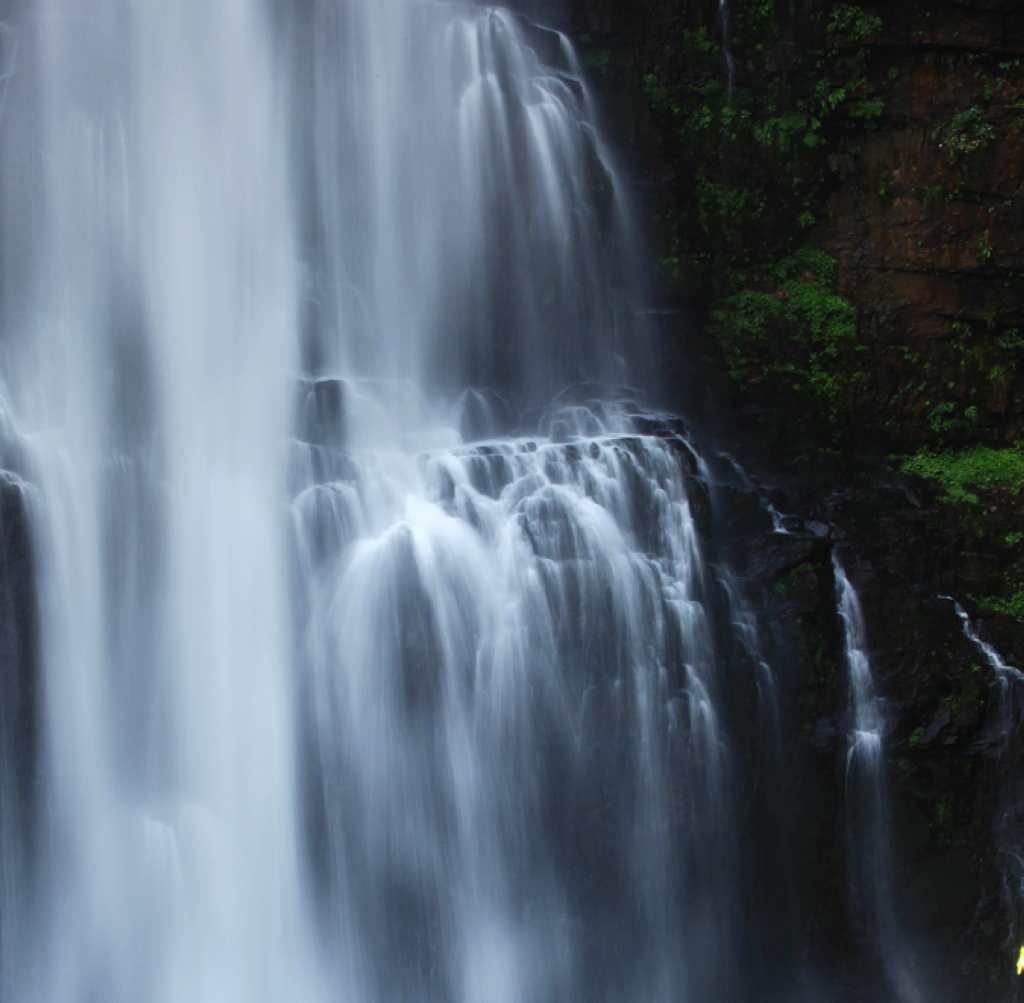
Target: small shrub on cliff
849,24
799,335
968,132
964,473
1012,606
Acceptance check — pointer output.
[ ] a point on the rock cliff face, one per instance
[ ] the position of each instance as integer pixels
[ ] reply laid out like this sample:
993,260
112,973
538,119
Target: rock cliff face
840,227
887,137
927,230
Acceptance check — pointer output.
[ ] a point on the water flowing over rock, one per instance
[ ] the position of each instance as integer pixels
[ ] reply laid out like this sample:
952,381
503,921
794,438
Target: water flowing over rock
326,701
1009,821
370,631
872,889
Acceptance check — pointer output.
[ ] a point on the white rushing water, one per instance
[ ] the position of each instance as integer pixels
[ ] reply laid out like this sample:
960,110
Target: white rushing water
340,689
1005,673
526,653
873,892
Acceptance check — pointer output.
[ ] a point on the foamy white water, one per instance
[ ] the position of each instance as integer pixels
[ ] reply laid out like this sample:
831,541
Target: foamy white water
323,694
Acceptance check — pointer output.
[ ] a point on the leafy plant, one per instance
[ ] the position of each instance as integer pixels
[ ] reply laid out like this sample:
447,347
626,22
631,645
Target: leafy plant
850,24
800,334
968,132
964,473
1012,606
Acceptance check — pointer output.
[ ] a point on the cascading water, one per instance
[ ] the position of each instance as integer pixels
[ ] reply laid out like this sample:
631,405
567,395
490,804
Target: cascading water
526,656
868,842
462,221
148,316
1005,673
332,705
1009,823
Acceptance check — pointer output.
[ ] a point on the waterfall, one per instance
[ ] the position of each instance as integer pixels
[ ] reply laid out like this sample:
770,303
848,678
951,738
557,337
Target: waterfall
372,663
368,631
1009,822
872,890
1005,673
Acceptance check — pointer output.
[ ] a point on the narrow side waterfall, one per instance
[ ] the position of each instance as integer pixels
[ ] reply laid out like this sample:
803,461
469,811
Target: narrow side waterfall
1005,673
872,889
1008,828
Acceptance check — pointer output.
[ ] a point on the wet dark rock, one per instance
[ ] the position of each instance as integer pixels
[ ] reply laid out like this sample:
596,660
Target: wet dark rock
826,732
804,590
700,504
742,513
320,411
939,724
778,554
686,453
661,426
19,642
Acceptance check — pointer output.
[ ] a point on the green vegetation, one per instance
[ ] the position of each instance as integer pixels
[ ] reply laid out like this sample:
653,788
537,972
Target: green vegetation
971,694
1010,606
761,155
849,24
758,161
968,132
948,417
966,472
798,333
773,166
983,484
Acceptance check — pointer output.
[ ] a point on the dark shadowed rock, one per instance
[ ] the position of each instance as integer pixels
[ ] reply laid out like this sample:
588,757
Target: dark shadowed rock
320,411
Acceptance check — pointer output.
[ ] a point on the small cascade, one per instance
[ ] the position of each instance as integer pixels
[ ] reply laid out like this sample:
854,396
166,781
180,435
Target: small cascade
1008,827
778,519
1006,674
869,853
